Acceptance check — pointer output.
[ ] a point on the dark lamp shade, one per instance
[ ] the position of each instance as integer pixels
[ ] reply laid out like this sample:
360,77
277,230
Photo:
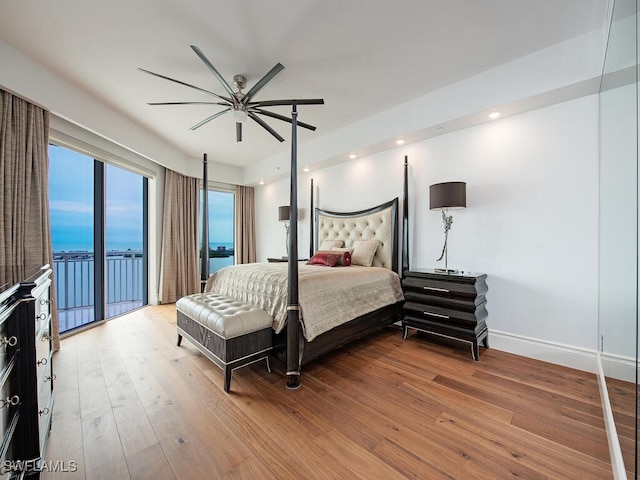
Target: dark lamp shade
283,213
448,195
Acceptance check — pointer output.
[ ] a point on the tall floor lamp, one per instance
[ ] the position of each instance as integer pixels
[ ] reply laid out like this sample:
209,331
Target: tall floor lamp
444,196
284,213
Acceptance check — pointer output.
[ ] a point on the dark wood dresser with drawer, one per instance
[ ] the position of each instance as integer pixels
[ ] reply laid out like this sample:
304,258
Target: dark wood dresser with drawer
26,375
449,305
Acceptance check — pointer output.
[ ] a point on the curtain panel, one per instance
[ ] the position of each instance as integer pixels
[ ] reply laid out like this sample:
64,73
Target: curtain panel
179,274
25,232
245,220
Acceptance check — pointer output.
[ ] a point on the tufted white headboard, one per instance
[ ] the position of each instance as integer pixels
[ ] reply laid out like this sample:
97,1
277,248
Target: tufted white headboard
380,222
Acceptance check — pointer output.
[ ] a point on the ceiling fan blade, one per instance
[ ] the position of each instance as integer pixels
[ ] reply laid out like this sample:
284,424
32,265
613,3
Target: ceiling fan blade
185,84
283,118
273,103
270,75
208,119
262,123
188,103
213,70
238,132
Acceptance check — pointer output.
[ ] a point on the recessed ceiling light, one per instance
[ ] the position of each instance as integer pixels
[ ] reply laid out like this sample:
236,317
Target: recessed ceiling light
261,182
494,115
400,142
352,156
306,169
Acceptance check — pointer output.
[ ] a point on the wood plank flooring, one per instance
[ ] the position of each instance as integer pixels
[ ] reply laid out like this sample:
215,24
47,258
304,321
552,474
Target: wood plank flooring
130,404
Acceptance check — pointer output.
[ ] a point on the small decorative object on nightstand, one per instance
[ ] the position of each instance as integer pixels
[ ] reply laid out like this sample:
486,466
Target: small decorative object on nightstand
448,305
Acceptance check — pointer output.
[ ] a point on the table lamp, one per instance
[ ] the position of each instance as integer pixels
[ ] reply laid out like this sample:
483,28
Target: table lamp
283,216
444,196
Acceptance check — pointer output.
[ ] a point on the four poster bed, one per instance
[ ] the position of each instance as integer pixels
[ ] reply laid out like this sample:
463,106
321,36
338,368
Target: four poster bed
314,308
338,304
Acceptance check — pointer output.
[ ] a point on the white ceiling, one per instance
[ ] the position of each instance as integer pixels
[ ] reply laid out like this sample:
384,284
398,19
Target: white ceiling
361,57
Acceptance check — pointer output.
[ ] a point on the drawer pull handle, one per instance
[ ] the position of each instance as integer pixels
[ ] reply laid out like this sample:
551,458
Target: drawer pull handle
44,301
42,317
44,411
49,377
12,341
42,362
436,315
46,337
10,401
436,289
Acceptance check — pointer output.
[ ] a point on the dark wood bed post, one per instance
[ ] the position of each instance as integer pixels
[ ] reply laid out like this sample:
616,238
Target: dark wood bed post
311,218
204,254
405,219
293,308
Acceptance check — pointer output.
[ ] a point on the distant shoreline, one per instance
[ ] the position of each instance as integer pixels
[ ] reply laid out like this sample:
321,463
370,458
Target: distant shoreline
218,252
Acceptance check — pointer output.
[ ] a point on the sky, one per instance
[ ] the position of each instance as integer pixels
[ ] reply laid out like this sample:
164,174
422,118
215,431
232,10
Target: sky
71,205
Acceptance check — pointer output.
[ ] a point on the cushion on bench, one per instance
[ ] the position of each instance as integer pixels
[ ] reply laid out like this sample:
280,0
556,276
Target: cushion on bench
232,334
224,316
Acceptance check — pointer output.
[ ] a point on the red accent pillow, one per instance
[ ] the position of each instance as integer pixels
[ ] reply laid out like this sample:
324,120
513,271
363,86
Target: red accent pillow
345,260
344,257
327,259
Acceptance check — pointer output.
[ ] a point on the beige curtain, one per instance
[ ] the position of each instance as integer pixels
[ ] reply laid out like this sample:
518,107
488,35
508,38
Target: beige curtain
245,221
179,273
25,232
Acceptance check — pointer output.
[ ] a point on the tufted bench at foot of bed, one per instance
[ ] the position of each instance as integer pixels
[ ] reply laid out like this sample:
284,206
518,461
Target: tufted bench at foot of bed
230,333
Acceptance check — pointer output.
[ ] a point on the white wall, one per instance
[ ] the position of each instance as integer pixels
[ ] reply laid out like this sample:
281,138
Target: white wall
531,222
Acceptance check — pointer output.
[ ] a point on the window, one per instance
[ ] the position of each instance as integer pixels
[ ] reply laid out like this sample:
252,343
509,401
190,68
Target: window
96,213
221,248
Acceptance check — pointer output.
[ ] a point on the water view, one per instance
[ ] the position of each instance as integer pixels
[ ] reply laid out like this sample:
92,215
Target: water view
81,190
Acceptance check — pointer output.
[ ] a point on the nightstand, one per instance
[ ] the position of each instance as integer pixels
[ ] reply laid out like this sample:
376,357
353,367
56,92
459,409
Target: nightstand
284,259
277,259
449,305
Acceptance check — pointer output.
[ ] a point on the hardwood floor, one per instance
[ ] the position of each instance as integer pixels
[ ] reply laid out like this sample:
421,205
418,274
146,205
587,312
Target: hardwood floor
130,404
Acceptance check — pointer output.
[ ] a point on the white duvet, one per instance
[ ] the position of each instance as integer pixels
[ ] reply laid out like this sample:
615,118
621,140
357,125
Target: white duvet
328,296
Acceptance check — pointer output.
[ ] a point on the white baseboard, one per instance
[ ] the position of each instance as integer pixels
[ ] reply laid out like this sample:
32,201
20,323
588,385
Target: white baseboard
559,354
618,366
613,366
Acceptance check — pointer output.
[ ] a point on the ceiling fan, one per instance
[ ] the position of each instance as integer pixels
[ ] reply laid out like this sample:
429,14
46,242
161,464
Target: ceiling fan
241,104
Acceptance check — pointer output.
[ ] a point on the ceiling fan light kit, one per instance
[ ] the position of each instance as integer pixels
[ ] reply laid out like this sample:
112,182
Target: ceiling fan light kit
239,115
240,105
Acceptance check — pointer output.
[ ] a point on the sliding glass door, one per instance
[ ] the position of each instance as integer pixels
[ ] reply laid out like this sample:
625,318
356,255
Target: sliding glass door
99,234
125,279
71,194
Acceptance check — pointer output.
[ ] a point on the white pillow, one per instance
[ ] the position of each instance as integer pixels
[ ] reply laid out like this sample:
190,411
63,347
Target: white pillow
363,252
329,244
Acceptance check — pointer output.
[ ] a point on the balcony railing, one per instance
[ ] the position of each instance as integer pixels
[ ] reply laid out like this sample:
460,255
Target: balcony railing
74,278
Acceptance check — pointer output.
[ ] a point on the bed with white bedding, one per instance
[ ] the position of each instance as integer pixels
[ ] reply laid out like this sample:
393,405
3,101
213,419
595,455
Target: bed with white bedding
336,304
316,309
329,296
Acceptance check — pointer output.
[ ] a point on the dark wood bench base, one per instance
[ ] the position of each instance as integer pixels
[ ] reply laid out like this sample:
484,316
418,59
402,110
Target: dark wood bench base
228,354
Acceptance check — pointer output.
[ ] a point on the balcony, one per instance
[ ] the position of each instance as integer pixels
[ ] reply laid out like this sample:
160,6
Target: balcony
74,283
